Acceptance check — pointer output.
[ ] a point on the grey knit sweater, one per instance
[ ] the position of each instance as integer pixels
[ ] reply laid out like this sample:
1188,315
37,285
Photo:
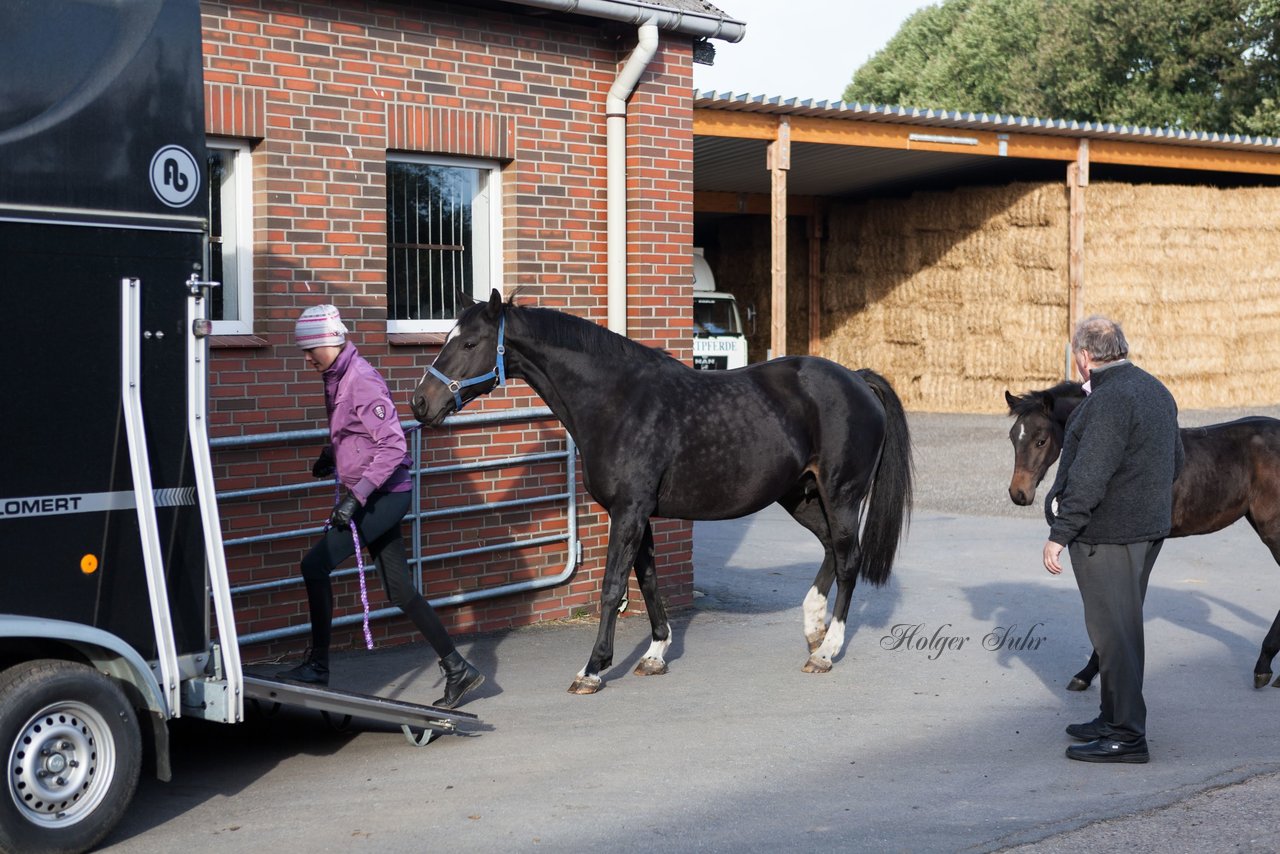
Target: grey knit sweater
1120,455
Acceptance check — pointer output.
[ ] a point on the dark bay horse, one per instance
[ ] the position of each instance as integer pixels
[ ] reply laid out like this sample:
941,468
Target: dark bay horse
658,438
1232,470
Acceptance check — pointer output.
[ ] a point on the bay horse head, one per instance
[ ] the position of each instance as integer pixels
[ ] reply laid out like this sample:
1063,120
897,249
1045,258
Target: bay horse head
1040,417
471,363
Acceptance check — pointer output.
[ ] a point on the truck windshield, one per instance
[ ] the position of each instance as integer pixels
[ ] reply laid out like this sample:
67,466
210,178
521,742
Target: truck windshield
715,317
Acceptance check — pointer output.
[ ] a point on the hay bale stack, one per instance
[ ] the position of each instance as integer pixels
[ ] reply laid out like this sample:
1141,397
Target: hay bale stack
954,296
1193,274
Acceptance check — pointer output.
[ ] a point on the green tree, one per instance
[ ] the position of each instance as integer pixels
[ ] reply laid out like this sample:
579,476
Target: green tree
1198,64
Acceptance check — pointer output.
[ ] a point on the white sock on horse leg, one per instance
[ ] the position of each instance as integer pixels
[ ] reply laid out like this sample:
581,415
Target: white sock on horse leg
815,612
658,648
833,642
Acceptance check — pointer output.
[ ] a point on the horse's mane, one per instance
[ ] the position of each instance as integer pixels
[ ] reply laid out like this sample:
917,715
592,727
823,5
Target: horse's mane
570,332
1041,401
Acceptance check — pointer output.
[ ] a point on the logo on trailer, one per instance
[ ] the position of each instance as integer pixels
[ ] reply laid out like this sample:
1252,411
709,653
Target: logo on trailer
175,176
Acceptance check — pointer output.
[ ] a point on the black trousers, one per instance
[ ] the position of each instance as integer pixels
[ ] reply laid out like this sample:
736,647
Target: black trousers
1113,585
379,525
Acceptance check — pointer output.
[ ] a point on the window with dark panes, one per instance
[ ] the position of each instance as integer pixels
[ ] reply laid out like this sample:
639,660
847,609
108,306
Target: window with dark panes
439,240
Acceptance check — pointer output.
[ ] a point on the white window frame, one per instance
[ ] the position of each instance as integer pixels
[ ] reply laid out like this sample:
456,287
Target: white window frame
486,246
237,236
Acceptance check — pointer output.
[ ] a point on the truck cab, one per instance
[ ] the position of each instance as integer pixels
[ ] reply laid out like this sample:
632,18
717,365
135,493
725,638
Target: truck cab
719,341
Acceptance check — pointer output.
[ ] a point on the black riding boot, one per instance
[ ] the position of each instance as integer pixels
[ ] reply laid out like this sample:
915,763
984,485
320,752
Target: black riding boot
459,678
314,670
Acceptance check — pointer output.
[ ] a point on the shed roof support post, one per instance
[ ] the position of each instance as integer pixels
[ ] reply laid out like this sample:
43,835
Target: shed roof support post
779,161
1077,180
815,233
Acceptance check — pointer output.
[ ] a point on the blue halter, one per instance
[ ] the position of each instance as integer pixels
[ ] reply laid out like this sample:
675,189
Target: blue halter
498,373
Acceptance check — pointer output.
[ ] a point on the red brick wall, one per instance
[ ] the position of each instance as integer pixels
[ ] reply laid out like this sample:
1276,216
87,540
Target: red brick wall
322,92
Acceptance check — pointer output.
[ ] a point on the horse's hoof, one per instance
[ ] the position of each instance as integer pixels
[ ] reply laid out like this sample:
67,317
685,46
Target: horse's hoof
815,640
650,667
816,665
1077,684
1260,680
586,685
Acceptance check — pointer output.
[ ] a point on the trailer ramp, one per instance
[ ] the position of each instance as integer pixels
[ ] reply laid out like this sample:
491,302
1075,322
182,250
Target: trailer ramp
420,724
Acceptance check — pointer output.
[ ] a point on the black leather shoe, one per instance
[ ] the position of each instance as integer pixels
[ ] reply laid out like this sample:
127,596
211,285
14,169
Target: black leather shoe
1110,750
310,672
459,678
1091,731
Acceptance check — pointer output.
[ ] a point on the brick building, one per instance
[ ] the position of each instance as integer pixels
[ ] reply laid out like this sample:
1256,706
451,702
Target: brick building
382,157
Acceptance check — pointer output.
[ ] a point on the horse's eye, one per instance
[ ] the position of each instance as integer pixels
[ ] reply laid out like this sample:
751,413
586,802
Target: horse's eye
469,345
1040,442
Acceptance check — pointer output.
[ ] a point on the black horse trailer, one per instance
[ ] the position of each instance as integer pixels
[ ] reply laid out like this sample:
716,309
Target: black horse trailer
112,574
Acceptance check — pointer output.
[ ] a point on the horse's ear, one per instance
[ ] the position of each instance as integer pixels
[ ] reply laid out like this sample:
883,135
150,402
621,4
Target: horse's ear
1010,399
463,298
495,304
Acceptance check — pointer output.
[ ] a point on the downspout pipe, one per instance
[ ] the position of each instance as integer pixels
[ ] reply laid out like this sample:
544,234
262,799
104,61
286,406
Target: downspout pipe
616,170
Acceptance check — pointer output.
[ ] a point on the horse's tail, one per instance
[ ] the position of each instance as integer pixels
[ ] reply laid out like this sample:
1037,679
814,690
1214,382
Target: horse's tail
889,504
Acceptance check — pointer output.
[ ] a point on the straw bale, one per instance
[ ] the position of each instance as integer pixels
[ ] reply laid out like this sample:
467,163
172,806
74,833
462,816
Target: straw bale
999,359
983,208
903,324
1040,206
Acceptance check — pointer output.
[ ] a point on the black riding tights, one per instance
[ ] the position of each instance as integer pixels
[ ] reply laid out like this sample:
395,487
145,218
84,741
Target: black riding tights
379,525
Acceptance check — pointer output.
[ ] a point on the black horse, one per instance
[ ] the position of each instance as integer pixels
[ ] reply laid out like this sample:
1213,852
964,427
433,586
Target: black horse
658,438
1231,470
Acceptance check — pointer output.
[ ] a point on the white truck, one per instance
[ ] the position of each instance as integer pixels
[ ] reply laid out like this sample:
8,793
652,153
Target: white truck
719,341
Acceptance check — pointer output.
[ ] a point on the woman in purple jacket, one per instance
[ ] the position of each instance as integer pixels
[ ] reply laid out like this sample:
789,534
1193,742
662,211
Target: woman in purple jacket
367,447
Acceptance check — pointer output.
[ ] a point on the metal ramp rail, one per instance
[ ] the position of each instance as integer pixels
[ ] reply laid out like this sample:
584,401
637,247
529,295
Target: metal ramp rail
429,721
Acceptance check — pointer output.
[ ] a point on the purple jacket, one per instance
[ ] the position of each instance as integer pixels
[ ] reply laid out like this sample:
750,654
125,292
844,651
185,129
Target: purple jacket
369,449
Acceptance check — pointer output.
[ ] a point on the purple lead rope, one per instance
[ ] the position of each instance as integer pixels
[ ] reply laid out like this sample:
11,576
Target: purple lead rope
364,591
355,539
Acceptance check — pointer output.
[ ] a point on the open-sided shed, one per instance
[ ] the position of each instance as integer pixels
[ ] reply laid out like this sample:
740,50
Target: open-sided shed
953,252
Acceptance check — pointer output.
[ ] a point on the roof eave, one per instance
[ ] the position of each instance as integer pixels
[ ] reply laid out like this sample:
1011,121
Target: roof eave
637,12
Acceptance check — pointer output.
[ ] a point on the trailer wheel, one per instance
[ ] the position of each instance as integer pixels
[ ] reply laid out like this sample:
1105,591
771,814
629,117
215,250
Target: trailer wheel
74,751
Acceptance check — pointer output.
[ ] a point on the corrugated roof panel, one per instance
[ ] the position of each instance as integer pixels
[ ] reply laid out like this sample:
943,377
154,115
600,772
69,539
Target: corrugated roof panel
745,103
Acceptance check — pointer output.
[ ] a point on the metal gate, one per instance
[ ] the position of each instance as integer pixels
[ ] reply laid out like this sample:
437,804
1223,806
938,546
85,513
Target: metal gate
566,496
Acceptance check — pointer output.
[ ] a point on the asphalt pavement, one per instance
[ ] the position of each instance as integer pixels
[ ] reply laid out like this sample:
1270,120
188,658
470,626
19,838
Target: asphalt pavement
940,727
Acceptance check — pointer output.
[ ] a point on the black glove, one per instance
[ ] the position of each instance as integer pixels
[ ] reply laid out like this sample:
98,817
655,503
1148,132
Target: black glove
323,466
345,510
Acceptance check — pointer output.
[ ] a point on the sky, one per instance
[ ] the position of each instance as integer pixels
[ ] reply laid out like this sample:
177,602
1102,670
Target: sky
801,48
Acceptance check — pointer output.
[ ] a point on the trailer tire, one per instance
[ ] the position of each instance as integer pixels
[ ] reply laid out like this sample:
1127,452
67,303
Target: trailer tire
74,750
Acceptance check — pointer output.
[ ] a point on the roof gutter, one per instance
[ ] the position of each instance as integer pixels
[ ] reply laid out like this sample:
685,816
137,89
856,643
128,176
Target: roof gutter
616,171
637,12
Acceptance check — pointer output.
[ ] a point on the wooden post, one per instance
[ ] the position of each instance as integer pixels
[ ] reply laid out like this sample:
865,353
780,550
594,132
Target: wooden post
1077,180
779,161
815,220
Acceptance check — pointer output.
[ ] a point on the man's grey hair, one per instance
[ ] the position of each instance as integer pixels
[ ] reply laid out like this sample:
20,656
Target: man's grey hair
1102,337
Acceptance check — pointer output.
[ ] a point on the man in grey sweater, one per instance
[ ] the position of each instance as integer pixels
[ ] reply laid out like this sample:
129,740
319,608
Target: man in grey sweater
1114,497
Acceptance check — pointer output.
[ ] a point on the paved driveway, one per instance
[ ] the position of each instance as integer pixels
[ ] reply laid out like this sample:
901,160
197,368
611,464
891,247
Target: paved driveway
948,740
